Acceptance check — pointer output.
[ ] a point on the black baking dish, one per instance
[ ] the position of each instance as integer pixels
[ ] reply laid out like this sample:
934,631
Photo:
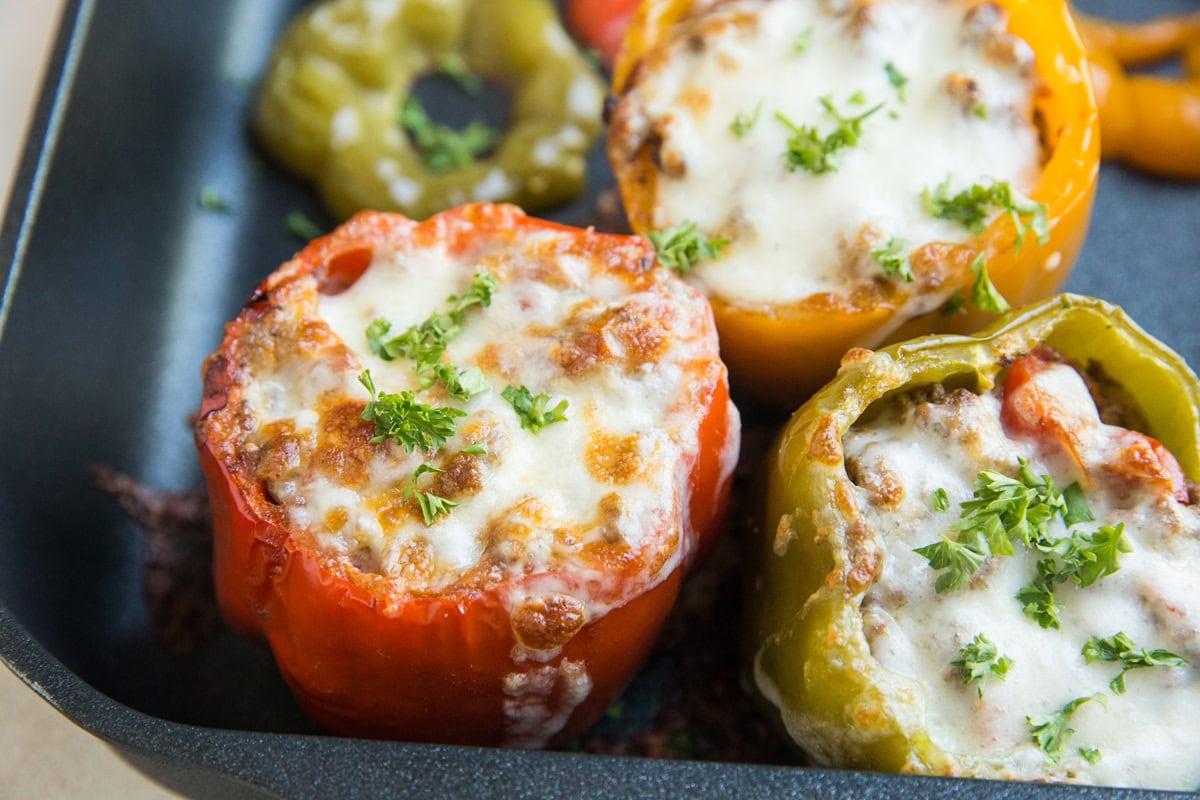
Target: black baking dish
118,285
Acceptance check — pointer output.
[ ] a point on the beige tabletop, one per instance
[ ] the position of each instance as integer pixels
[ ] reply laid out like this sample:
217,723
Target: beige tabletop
42,754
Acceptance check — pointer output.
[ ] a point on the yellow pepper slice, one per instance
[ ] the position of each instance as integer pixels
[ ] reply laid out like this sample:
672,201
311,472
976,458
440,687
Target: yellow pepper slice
1149,122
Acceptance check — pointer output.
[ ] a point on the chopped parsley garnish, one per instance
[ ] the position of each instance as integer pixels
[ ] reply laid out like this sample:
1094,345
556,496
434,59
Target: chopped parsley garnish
532,409
978,659
441,147
454,67
411,424
959,559
475,450
803,41
971,208
426,343
300,226
479,293
897,79
893,258
682,745
941,500
682,247
1050,732
1090,754
1003,511
808,150
1077,507
955,305
1120,647
984,294
211,200
432,506
1019,508
462,383
1082,558
1088,557
743,122
1037,597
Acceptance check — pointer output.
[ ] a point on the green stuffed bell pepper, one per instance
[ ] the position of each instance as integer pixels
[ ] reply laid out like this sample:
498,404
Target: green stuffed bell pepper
336,104
977,557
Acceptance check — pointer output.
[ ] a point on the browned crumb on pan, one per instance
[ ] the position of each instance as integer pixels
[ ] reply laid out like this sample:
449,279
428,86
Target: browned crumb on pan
177,573
705,714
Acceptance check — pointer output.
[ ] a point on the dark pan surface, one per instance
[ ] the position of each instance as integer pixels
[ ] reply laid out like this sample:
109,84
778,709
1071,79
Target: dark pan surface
118,288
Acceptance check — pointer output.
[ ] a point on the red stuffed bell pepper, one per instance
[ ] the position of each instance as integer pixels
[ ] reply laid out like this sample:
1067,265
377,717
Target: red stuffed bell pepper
458,469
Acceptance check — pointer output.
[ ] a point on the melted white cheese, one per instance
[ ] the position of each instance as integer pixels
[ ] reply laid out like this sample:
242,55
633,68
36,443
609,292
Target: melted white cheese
1147,737
540,481
793,233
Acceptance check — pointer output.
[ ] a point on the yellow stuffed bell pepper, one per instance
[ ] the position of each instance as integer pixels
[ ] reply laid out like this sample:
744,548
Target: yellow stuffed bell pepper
782,342
1013,666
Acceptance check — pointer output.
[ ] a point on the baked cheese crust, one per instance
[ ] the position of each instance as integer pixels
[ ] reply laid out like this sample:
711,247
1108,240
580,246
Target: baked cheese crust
945,96
586,511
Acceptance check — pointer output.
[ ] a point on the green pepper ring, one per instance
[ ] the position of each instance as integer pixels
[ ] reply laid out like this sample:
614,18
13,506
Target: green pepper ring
329,103
809,659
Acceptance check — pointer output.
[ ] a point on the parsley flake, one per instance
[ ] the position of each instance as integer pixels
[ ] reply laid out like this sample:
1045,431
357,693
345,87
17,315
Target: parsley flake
972,207
897,79
441,147
426,343
212,200
454,67
1037,598
893,259
808,150
743,122
1077,507
682,247
1090,754
1050,731
1120,647
1001,510
803,41
978,659
955,305
1089,557
532,409
959,559
300,226
432,506
984,294
941,500
411,424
